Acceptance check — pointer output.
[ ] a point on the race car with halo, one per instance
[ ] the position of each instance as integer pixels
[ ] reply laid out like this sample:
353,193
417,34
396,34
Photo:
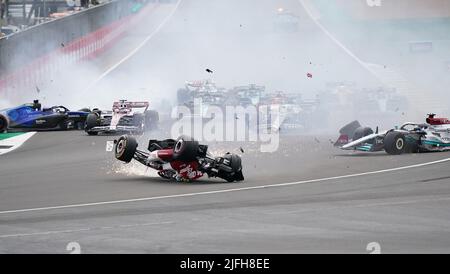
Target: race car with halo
180,160
34,117
434,135
123,118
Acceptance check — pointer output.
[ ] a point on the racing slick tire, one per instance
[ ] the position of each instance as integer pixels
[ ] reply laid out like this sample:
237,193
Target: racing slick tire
185,149
394,143
151,119
125,148
361,132
3,124
63,125
414,147
91,122
235,163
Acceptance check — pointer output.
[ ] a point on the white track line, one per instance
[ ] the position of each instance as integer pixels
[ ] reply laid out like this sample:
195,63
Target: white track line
335,40
15,142
134,51
226,190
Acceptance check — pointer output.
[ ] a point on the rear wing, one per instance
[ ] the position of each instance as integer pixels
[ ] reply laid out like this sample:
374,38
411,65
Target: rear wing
432,120
129,105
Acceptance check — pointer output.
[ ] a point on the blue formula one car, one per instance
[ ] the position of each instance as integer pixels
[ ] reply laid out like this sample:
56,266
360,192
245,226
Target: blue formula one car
32,116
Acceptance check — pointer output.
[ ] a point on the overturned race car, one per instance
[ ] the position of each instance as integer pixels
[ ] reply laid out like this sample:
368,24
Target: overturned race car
434,135
181,160
122,119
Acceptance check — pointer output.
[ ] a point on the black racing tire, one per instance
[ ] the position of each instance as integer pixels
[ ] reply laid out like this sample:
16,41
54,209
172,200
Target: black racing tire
235,163
151,119
125,148
3,124
185,149
91,122
63,125
394,143
361,132
413,148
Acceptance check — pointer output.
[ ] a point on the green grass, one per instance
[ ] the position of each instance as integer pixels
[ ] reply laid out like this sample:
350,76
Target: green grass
4,136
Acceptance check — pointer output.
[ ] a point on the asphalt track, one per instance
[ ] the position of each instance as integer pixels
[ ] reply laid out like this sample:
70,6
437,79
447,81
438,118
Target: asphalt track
404,210
63,187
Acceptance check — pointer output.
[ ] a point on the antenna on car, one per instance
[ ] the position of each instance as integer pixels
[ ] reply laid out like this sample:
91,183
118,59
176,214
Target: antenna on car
376,130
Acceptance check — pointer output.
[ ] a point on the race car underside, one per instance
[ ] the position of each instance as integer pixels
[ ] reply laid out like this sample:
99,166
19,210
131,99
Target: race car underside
183,159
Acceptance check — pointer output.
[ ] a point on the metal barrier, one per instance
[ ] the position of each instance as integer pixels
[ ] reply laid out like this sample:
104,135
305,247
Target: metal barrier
28,58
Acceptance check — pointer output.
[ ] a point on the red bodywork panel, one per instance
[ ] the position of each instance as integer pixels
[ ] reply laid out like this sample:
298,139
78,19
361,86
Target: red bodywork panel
438,121
187,170
165,154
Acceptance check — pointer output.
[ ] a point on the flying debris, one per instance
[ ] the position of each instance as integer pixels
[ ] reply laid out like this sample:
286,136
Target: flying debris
209,71
309,75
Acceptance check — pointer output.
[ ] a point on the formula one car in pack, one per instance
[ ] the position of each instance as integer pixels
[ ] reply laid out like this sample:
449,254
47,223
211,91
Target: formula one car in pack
32,116
183,159
245,95
434,135
206,91
122,118
285,112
